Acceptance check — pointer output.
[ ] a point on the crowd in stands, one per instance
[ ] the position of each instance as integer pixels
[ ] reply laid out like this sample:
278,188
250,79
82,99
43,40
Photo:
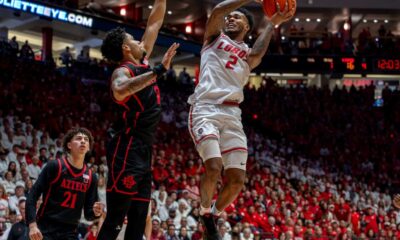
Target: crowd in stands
322,164
301,42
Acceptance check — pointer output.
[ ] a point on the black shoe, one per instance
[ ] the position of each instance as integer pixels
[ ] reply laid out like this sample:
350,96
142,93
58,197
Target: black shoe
210,227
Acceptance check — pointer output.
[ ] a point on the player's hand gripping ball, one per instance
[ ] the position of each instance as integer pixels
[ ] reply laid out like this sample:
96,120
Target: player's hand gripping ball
273,6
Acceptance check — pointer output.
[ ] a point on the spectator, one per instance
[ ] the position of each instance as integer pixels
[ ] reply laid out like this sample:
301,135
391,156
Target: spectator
66,57
14,45
34,168
156,232
26,52
184,77
19,230
171,233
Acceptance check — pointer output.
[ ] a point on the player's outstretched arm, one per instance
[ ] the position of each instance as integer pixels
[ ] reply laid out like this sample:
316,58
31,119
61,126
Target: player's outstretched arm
215,22
123,85
261,45
154,23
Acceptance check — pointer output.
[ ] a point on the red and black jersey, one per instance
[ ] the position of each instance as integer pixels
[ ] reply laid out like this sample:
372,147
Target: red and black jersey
66,191
140,112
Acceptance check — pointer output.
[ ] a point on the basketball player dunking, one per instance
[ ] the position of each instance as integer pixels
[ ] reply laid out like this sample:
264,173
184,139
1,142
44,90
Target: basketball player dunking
215,117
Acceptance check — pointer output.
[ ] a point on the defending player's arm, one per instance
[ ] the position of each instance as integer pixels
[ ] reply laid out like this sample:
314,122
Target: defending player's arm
216,22
48,174
261,45
123,85
154,23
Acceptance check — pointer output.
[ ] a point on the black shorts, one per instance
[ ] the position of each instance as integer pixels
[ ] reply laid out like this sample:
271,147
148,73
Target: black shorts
129,164
57,231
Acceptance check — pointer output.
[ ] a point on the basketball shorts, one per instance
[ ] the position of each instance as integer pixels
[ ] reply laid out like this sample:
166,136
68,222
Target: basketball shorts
129,164
217,131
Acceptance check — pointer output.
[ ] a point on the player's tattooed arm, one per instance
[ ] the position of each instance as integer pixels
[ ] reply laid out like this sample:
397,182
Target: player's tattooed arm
215,22
261,45
123,85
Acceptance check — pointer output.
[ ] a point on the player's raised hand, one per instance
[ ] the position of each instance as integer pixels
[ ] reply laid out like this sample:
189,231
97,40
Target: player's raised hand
34,232
284,15
169,55
396,201
98,209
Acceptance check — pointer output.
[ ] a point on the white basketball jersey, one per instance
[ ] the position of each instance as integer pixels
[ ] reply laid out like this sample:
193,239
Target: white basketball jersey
224,72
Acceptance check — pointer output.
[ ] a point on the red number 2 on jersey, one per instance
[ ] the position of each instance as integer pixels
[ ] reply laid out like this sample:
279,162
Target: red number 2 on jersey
232,62
70,200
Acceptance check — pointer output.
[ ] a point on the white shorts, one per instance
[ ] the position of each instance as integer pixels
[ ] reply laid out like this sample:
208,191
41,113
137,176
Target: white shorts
217,131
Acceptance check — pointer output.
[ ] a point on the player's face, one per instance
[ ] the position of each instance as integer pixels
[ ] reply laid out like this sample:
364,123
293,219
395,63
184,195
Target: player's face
134,47
236,22
79,144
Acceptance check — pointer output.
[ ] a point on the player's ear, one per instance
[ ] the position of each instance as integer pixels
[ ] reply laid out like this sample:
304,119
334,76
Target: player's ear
247,28
125,47
69,145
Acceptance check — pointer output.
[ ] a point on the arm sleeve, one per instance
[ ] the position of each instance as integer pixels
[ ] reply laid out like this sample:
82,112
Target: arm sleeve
42,184
91,197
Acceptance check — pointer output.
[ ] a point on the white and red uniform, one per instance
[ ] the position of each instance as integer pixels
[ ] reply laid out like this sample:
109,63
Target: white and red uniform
215,112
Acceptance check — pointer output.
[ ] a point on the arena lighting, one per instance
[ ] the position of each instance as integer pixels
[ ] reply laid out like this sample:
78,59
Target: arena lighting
346,26
169,12
318,19
308,20
150,7
352,76
297,19
375,20
49,12
386,21
379,76
188,29
365,20
283,38
122,12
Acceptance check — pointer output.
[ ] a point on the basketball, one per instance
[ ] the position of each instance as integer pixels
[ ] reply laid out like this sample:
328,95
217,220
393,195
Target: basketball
270,6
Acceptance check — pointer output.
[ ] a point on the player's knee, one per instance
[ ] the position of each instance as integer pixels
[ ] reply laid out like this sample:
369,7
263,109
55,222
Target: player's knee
235,179
213,168
236,183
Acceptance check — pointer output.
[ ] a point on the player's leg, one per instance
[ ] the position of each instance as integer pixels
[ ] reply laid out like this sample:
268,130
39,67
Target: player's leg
138,211
149,225
204,125
136,220
118,206
204,128
209,151
234,155
208,185
234,181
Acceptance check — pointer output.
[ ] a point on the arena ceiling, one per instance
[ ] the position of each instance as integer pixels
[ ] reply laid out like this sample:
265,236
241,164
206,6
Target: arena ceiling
313,15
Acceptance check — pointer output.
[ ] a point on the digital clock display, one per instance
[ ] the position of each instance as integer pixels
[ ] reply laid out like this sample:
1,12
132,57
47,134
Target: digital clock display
388,64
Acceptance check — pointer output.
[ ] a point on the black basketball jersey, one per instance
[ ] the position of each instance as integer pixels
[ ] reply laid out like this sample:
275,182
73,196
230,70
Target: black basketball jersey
66,191
140,112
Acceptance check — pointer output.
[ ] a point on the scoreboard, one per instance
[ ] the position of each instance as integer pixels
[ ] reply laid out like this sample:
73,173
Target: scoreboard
329,64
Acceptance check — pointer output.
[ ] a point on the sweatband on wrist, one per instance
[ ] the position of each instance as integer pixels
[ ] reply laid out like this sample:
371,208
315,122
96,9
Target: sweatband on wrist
159,70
